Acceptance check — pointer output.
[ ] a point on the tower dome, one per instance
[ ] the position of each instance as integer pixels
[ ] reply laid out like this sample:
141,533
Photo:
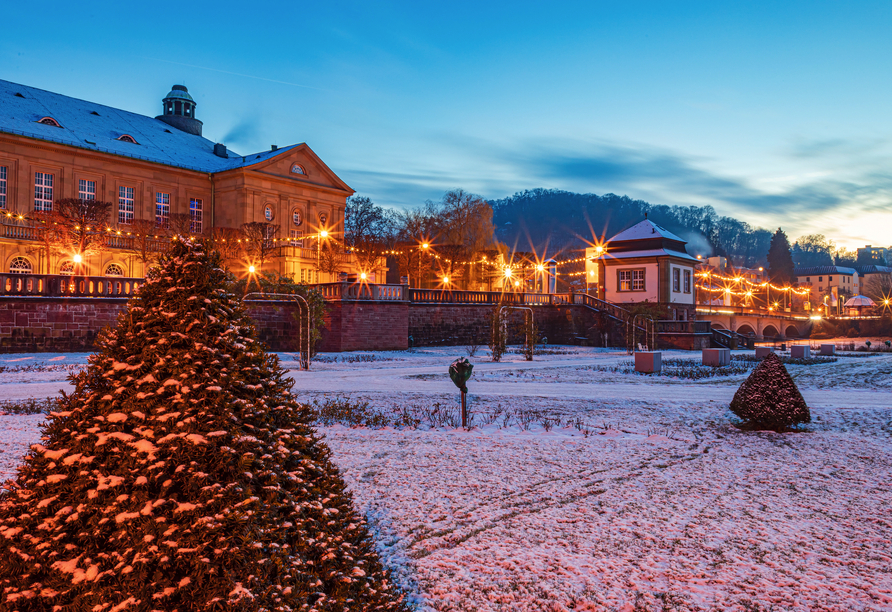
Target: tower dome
178,110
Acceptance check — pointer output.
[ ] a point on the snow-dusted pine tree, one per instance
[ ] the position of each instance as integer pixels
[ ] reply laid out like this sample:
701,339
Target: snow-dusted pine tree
181,474
769,399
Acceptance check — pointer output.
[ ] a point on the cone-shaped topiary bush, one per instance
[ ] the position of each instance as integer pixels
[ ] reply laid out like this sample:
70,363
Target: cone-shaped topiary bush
181,474
769,399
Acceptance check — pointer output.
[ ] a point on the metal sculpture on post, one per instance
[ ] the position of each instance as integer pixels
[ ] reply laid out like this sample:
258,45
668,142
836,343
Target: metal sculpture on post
460,372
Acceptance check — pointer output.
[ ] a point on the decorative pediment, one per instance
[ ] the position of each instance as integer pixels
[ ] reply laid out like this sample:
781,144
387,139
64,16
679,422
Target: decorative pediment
300,163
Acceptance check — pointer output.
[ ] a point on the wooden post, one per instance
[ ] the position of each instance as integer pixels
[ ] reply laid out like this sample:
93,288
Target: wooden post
464,410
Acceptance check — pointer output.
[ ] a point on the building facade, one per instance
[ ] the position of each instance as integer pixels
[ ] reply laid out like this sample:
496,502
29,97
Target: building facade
830,286
156,172
645,263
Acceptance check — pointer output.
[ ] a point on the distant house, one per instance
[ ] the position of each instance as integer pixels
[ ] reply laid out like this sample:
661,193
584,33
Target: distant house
868,273
878,256
645,263
834,283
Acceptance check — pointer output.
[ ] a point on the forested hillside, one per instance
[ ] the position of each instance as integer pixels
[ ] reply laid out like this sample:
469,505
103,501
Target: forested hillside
540,218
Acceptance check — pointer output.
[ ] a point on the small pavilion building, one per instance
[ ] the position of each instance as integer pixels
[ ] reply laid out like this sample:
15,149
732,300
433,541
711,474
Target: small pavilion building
645,263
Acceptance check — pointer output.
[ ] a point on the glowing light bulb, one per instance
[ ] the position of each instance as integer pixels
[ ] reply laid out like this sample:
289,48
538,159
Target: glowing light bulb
540,268
507,272
77,258
445,280
425,245
251,269
324,234
363,276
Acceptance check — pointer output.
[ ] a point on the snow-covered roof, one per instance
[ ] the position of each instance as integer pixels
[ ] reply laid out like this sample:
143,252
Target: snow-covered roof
862,270
814,270
96,127
648,253
643,231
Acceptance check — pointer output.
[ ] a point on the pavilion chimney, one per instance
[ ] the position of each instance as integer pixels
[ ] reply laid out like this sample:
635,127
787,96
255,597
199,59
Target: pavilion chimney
220,150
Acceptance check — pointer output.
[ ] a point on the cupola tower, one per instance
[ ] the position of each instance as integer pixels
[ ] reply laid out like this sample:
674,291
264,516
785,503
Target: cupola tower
179,111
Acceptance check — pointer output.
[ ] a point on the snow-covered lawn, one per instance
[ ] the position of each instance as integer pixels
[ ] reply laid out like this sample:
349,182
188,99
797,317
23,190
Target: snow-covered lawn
656,503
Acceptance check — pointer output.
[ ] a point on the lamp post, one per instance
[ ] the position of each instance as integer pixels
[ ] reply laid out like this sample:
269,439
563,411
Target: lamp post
322,235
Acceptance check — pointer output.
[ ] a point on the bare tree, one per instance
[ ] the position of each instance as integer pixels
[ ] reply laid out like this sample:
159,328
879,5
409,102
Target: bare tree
227,241
180,224
51,237
85,222
259,242
331,258
878,288
148,241
368,231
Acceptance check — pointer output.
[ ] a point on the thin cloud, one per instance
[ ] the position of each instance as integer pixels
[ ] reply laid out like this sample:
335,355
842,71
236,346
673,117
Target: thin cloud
239,74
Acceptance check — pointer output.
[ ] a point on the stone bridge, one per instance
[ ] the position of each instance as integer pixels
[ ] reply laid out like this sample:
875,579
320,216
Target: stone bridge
762,325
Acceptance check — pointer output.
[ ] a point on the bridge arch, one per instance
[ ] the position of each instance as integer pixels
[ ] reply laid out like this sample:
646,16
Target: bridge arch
717,325
770,331
745,329
792,331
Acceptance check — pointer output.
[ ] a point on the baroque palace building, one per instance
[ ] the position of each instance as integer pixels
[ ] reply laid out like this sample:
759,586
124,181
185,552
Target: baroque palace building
154,170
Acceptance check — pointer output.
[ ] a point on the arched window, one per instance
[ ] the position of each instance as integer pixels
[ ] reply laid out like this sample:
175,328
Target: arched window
67,267
127,138
268,213
20,265
114,270
297,217
298,169
50,121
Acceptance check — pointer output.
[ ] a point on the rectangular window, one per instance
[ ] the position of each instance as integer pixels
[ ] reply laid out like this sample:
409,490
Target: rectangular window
162,209
297,238
631,280
43,191
820,279
125,205
2,187
195,208
687,281
86,190
829,279
676,280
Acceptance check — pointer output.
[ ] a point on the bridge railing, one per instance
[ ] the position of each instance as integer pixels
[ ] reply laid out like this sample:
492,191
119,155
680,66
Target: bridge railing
61,285
447,296
683,327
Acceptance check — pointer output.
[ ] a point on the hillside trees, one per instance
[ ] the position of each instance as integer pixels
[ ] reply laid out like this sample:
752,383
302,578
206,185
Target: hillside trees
813,250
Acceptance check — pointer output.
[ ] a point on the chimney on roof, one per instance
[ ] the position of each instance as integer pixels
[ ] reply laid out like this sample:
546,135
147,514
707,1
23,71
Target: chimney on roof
220,150
273,147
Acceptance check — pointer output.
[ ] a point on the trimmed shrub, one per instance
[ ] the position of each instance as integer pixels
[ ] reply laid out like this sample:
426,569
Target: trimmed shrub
769,399
181,474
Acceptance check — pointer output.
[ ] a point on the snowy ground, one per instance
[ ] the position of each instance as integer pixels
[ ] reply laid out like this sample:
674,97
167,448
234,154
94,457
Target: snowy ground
656,502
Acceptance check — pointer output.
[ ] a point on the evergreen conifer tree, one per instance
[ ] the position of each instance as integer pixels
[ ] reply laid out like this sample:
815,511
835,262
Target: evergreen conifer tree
181,474
780,259
769,398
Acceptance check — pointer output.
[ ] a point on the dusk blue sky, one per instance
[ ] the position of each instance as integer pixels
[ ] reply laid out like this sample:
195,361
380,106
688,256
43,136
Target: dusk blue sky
776,113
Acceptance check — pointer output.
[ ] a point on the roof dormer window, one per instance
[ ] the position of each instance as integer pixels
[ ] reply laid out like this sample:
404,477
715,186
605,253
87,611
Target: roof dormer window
50,121
127,138
298,169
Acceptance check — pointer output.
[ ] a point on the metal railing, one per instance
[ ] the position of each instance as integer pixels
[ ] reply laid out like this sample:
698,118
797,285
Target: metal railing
61,285
448,296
